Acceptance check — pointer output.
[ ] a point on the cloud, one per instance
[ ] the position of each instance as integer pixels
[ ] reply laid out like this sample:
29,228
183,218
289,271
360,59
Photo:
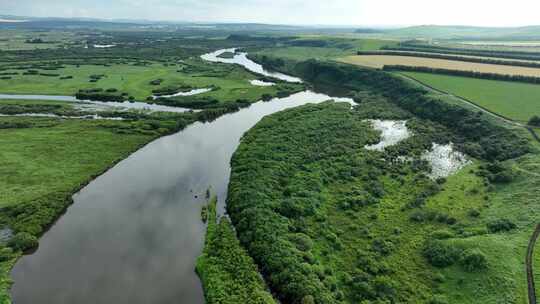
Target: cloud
338,12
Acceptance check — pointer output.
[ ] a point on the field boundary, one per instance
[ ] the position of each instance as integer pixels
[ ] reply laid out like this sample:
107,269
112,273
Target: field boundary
470,102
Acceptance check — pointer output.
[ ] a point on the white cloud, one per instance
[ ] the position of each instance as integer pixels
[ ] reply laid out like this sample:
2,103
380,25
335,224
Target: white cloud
339,12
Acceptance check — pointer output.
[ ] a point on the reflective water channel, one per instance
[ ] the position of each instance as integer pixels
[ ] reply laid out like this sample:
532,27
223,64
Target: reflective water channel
134,233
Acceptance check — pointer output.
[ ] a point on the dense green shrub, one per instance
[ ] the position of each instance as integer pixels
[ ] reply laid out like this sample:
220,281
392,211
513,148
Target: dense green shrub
500,225
6,253
23,241
441,253
535,121
473,260
228,274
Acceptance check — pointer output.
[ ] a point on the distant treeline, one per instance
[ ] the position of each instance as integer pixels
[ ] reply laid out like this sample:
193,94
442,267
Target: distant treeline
463,51
453,57
482,138
490,76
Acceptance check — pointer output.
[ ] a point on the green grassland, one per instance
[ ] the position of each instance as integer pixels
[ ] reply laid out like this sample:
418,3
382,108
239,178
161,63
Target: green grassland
324,48
17,40
228,273
517,101
352,251
230,82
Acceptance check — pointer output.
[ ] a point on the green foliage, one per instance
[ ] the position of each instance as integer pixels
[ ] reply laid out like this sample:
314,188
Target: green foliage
441,253
500,225
228,274
473,260
495,142
23,241
534,121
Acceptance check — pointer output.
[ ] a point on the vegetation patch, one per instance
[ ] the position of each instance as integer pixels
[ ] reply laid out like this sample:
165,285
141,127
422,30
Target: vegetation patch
227,272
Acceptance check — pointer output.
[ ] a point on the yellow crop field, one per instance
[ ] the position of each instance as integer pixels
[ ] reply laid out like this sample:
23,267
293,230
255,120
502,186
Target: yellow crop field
378,61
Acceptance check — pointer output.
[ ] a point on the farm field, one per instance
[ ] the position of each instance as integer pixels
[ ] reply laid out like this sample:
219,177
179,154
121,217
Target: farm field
379,61
230,82
517,101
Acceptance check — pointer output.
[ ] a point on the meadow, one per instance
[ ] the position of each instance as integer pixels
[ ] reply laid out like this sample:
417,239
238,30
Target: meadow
230,83
517,101
379,61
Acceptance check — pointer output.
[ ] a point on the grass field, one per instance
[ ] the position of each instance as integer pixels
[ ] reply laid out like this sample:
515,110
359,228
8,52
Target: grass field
53,157
517,101
232,81
378,61
335,48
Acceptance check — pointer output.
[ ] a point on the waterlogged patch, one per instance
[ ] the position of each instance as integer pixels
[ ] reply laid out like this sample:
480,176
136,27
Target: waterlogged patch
93,116
392,132
5,234
186,93
104,46
261,83
444,160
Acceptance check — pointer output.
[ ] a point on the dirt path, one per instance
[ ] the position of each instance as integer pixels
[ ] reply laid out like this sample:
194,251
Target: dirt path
529,266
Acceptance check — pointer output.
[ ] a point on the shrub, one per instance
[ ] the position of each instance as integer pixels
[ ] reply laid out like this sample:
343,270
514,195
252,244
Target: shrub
473,260
438,299
442,234
6,253
301,241
23,241
473,213
440,253
308,300
500,225
535,121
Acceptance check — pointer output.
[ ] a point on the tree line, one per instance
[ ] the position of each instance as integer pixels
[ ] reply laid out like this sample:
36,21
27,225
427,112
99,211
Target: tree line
472,74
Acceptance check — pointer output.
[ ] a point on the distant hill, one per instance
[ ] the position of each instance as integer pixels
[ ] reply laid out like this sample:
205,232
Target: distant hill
467,32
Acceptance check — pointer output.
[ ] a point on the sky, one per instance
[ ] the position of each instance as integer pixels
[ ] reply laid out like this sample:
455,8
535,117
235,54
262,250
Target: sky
317,12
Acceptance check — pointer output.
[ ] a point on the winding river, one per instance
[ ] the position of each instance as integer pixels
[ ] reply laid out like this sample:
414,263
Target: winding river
134,233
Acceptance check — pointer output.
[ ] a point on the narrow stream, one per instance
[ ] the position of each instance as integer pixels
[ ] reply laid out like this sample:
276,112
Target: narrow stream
98,104
133,234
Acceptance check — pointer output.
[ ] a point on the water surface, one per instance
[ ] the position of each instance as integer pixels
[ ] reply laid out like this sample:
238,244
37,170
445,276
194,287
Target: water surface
243,60
98,104
133,234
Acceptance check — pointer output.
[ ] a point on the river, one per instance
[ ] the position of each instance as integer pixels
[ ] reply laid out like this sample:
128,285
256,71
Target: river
134,233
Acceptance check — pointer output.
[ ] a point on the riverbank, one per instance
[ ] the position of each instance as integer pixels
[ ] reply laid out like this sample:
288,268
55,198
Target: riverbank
46,161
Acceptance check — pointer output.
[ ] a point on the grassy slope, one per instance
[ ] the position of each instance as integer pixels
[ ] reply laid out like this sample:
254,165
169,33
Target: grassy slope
233,81
228,274
514,100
